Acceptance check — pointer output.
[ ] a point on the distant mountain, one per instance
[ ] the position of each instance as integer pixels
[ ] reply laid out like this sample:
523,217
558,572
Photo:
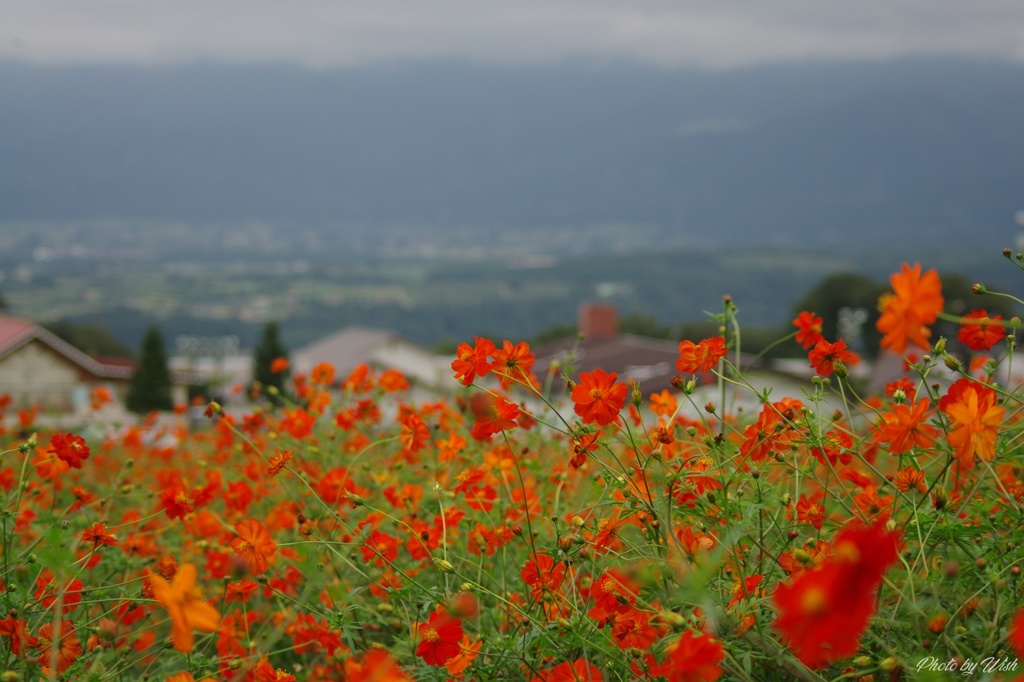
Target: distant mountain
886,153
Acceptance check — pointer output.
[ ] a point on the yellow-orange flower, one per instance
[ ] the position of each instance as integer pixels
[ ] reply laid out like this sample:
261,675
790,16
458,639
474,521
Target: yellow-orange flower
187,609
975,417
254,544
915,302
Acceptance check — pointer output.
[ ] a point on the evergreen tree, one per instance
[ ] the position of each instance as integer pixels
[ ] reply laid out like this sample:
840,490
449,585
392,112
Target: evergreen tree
269,348
150,388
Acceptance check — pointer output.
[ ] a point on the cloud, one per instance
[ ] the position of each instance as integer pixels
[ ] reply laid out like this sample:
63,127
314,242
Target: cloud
331,33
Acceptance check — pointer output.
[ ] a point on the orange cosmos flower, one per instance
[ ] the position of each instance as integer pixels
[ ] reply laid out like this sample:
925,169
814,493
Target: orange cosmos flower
70,449
513,364
493,414
663,404
692,658
808,326
49,592
322,374
98,536
254,544
975,418
469,651
21,639
99,397
187,609
915,303
980,332
473,361
577,671
278,365
1015,637
375,666
582,444
823,612
698,358
910,478
176,502
904,427
65,648
810,511
440,637
414,434
598,398
393,381
265,672
278,461
543,574
825,355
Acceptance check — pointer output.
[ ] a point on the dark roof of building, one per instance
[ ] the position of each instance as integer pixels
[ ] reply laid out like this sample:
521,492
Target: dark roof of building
16,332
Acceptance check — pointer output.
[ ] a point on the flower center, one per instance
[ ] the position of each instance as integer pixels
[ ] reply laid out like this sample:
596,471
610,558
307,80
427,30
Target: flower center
430,635
814,601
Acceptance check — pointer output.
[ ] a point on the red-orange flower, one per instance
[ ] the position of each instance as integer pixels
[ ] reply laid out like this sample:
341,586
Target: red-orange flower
65,648
187,609
493,414
663,404
915,303
598,397
254,544
698,358
439,638
982,331
808,326
278,365
376,665
265,672
975,418
278,461
692,658
49,592
473,361
1015,637
513,363
458,663
69,448
825,355
905,426
810,511
577,671
98,536
823,612
17,632
414,434
543,574
176,502
322,374
582,444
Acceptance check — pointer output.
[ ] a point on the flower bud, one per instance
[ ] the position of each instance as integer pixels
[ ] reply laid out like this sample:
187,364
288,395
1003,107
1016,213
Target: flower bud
889,665
444,565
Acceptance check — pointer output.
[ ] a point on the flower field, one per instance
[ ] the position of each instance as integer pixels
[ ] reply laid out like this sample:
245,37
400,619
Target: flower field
542,525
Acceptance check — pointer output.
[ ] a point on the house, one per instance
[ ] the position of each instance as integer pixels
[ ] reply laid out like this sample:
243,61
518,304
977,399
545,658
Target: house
651,363
39,368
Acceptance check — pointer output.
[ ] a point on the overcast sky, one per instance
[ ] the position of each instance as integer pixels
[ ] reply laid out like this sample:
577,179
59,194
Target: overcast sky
328,33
